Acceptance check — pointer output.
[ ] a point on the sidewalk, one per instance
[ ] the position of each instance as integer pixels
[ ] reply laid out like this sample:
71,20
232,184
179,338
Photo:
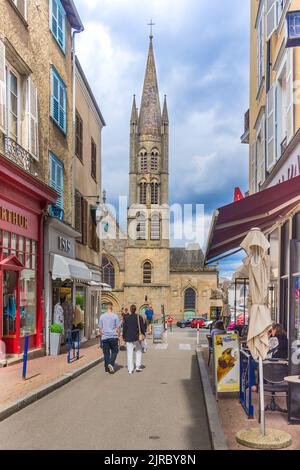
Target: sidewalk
234,419
41,371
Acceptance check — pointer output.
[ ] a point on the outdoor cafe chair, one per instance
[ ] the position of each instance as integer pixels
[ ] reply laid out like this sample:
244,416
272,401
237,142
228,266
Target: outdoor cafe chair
274,383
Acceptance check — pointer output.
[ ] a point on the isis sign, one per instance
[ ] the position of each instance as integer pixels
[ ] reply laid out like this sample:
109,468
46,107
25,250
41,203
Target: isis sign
293,28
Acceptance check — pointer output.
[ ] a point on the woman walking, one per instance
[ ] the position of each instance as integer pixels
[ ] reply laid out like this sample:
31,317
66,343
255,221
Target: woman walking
134,332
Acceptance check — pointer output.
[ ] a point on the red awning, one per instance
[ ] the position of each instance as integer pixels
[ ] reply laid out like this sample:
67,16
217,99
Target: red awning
231,223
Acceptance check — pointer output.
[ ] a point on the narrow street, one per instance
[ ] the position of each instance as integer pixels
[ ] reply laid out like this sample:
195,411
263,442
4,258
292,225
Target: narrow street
160,408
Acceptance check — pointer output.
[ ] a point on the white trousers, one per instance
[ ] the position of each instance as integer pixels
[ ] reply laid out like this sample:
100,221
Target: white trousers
138,355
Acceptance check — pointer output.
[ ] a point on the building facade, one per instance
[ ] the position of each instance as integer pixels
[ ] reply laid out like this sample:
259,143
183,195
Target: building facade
272,130
141,267
36,139
88,126
37,159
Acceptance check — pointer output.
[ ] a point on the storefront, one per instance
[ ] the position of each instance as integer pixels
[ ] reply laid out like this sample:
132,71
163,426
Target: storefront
69,283
276,211
23,200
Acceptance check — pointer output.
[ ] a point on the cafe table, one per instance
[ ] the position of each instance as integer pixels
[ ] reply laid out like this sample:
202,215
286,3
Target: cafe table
294,399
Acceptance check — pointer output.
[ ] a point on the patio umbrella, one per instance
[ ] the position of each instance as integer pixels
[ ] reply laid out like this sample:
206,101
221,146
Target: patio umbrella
257,266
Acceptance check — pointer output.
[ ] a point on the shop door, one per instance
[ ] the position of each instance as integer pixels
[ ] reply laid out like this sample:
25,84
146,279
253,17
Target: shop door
10,310
294,311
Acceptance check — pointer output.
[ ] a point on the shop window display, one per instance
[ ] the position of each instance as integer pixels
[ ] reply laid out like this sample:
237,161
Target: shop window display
25,250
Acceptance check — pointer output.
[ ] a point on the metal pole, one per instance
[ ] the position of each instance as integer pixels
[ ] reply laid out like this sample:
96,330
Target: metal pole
25,358
262,398
235,301
198,334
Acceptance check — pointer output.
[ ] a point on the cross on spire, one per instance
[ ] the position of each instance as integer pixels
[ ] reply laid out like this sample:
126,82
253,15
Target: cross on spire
151,24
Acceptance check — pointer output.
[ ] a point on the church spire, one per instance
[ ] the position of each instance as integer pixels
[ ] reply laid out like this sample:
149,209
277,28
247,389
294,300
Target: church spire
165,114
134,112
150,113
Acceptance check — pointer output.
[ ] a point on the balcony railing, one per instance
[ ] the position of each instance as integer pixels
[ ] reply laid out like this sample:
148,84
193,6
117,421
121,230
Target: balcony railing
20,156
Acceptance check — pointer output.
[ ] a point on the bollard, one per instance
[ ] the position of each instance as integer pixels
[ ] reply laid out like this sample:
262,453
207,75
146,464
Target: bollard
25,358
198,335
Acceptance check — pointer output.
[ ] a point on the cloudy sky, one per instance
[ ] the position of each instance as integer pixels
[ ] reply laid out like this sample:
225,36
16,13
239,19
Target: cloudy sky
202,50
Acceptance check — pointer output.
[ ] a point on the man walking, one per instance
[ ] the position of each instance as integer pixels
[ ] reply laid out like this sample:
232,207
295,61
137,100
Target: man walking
149,313
109,325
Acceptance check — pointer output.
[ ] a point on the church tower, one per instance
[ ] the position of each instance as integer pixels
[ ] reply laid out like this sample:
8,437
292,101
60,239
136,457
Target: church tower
147,253
149,164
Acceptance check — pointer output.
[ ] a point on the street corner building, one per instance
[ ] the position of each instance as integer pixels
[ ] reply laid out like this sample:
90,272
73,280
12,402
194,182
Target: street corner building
46,254
140,266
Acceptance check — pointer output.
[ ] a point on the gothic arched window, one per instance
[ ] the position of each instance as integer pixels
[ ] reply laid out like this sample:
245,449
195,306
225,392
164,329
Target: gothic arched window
154,160
154,193
108,272
189,299
147,273
141,227
143,162
143,193
155,227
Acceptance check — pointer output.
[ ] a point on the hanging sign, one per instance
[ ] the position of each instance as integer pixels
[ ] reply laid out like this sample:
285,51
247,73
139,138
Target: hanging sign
227,363
293,28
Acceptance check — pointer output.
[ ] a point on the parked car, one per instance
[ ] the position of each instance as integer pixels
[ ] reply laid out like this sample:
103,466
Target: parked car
184,323
208,324
239,322
198,321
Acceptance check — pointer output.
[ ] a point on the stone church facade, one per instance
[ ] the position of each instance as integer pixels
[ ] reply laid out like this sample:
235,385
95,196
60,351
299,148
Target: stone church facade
141,267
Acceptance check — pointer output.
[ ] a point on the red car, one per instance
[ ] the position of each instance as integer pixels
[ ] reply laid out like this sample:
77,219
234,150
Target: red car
198,321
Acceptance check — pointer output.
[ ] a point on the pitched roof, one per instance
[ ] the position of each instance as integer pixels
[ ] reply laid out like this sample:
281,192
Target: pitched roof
182,259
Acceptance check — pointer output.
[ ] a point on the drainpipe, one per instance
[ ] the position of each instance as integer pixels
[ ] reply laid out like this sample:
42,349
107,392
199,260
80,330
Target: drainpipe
73,122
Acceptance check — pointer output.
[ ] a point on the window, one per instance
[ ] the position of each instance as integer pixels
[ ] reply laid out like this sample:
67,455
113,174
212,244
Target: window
274,253
21,6
143,193
78,136
58,22
154,161
260,50
94,240
147,273
81,216
143,162
93,160
56,178
260,153
189,299
155,227
141,227
26,251
13,103
154,193
58,101
108,272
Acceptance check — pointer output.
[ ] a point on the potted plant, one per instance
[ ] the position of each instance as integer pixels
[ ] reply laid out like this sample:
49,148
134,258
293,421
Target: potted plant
56,331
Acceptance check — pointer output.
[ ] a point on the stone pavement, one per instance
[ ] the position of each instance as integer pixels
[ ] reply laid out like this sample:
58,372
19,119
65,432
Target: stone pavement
41,371
234,419
161,407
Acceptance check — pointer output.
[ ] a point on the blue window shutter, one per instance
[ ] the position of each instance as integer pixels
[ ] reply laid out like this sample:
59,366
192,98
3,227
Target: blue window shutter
58,22
56,178
58,101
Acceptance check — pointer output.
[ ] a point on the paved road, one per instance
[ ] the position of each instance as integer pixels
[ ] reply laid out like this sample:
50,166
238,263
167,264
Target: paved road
160,408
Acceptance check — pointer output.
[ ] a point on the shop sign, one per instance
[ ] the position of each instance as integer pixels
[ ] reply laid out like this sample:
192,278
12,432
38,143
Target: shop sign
64,244
13,217
227,363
